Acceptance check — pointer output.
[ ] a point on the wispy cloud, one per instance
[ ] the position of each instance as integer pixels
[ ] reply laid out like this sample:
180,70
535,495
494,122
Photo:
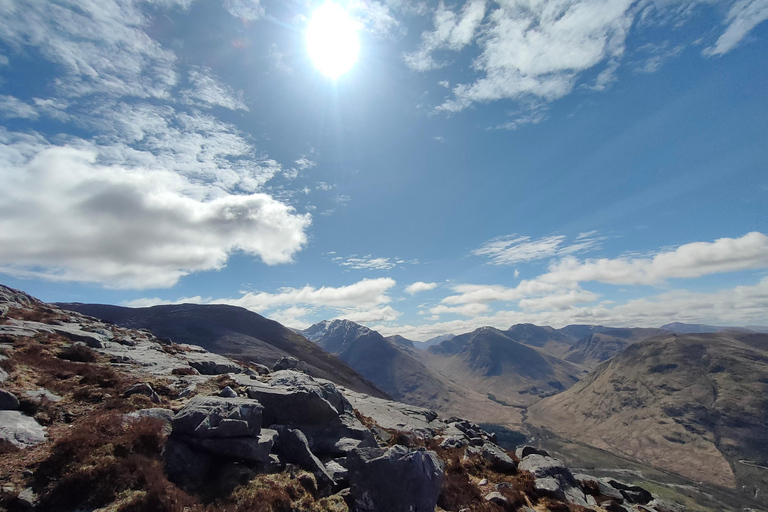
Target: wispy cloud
207,91
452,31
743,16
369,262
543,50
512,249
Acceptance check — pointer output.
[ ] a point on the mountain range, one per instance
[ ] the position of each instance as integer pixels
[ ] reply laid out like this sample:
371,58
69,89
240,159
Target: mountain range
689,403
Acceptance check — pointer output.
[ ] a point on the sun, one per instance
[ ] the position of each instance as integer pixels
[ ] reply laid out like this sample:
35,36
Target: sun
332,40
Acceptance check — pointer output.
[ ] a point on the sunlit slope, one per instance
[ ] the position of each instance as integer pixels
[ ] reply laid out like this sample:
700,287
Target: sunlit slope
695,404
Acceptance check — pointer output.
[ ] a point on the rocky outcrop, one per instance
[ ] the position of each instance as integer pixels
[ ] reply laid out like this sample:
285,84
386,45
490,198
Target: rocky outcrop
552,476
395,480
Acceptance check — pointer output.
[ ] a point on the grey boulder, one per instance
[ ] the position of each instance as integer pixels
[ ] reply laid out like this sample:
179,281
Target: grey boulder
498,459
20,430
213,416
395,480
523,451
292,447
256,449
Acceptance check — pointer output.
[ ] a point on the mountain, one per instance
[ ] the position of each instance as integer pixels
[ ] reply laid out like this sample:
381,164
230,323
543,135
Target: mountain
384,362
424,345
232,331
399,340
489,360
680,327
402,372
94,416
694,404
601,346
580,331
545,337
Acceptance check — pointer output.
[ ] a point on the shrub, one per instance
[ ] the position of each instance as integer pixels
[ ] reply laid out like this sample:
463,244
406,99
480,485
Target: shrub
104,457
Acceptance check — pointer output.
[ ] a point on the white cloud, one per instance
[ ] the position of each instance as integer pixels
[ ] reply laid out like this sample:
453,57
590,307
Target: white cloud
342,199
687,261
420,286
363,301
305,163
294,317
366,263
11,107
471,310
452,32
78,220
556,297
375,17
540,49
512,249
558,301
366,293
738,306
248,10
208,91
383,314
148,302
100,45
743,16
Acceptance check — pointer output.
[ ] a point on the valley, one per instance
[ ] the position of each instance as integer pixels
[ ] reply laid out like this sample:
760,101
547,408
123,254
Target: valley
678,411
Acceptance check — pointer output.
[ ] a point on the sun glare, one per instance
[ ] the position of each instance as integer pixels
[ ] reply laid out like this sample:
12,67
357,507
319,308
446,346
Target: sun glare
332,40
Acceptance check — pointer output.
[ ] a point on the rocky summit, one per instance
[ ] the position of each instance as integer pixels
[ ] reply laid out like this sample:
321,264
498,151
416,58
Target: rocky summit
101,417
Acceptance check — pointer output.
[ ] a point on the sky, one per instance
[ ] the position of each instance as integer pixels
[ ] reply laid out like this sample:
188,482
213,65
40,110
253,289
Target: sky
480,163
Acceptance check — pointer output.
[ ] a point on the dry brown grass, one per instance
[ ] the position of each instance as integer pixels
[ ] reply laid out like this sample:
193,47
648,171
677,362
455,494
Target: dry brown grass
283,492
42,314
460,488
104,457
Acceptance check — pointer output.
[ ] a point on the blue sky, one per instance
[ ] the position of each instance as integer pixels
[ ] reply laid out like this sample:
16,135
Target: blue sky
482,163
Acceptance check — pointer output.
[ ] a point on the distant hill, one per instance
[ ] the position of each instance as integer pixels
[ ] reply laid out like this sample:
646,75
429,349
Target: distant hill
581,331
545,337
231,331
488,359
601,346
694,404
424,345
680,327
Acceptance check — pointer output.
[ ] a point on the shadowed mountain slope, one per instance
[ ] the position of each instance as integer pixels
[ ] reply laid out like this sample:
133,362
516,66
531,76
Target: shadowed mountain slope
232,331
545,337
387,363
695,404
401,371
490,360
601,346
